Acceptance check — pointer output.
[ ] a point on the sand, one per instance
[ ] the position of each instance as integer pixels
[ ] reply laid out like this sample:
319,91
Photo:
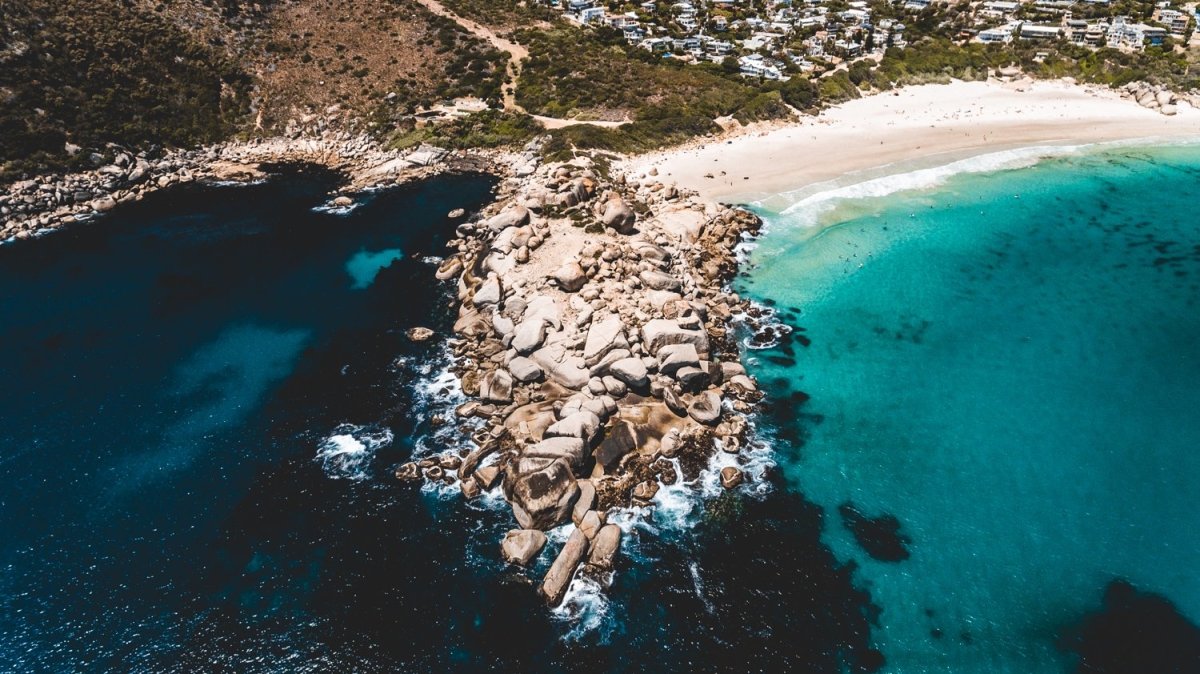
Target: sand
911,128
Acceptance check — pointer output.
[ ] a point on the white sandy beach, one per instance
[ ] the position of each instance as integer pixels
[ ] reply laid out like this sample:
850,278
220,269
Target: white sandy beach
914,127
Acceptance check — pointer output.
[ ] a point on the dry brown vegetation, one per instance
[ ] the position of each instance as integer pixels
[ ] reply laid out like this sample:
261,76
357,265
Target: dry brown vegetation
378,58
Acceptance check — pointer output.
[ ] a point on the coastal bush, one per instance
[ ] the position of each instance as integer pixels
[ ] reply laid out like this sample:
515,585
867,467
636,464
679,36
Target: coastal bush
595,74
486,128
90,73
837,88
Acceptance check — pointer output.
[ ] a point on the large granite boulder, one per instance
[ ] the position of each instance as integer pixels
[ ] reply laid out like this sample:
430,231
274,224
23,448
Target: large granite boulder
657,280
632,371
661,332
520,546
672,357
558,578
582,425
524,370
542,498
706,408
514,216
489,293
618,215
496,386
605,547
605,334
621,439
570,277
572,450
528,335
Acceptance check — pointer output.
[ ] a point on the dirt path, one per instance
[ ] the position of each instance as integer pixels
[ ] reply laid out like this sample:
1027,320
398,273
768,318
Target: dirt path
516,54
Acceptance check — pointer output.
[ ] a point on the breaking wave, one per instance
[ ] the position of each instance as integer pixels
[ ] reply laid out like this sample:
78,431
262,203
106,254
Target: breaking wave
346,454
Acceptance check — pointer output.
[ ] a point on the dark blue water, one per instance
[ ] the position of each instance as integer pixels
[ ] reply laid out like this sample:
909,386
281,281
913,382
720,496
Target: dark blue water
993,390
170,376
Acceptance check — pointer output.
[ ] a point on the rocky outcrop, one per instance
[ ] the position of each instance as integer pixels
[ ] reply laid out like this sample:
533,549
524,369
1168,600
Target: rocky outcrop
595,340
39,206
1155,97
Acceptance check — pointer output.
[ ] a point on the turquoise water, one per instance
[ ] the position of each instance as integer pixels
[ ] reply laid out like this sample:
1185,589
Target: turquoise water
365,265
1009,364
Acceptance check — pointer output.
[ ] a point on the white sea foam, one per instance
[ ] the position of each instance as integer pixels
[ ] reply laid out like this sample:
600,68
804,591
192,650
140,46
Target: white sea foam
585,607
332,209
805,207
346,454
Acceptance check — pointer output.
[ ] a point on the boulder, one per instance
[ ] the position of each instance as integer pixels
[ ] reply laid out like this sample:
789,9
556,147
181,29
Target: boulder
529,335
469,487
591,523
730,477
408,472
488,476
524,370
620,440
614,387
657,280
489,293
587,499
672,357
706,408
605,547
604,335
618,215
569,449
632,371
674,403
661,332
558,578
450,268
496,386
570,277
582,425
545,308
692,379
520,546
513,216
645,491
542,498
419,334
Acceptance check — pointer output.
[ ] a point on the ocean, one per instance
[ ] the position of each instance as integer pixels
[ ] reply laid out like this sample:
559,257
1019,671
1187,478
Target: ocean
989,388
205,397
978,441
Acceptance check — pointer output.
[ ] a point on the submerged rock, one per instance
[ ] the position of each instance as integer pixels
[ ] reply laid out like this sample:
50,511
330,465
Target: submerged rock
730,477
419,334
879,537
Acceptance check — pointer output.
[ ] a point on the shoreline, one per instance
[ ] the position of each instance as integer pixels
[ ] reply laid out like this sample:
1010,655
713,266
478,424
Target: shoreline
905,130
39,206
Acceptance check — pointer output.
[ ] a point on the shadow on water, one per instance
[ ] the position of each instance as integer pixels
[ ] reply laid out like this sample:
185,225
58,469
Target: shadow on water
1133,632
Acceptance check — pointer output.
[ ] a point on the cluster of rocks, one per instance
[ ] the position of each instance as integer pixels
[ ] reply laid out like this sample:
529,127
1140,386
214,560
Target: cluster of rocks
33,207
594,341
1152,96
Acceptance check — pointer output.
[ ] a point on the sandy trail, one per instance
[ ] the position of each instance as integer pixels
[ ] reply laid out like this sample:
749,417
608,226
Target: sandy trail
516,55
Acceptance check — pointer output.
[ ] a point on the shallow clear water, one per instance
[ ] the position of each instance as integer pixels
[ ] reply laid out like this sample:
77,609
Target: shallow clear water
1007,363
